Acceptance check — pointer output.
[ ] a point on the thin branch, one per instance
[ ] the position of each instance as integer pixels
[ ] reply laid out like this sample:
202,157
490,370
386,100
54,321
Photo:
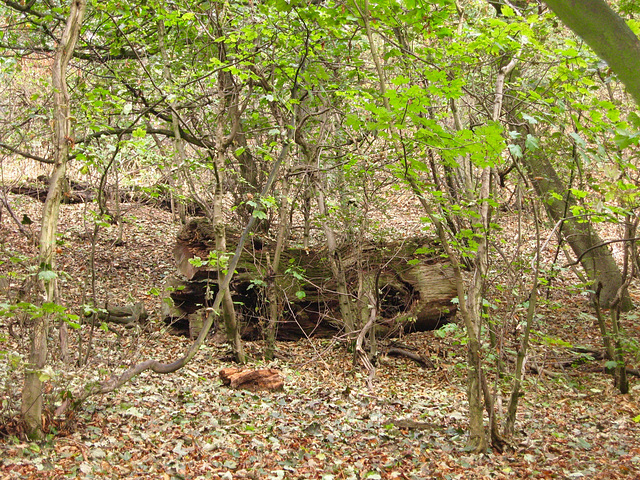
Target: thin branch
25,154
158,131
598,246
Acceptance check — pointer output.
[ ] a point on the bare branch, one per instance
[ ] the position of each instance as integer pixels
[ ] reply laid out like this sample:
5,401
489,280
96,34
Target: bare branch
25,154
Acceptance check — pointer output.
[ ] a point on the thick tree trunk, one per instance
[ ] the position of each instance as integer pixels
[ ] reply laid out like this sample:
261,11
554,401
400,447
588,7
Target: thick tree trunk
613,41
607,34
598,263
415,289
32,392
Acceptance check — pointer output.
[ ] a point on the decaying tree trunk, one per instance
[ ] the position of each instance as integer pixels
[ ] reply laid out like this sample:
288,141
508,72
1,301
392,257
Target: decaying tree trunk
253,380
414,285
126,315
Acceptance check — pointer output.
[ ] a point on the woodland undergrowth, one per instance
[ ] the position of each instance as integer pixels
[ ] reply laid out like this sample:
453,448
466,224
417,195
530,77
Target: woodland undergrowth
326,423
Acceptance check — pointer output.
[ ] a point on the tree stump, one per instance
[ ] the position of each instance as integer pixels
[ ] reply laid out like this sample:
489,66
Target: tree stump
252,380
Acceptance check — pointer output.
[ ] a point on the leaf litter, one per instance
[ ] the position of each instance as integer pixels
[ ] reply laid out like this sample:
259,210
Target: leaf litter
326,424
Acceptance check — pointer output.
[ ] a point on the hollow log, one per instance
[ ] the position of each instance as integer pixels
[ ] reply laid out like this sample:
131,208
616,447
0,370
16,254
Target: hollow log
414,283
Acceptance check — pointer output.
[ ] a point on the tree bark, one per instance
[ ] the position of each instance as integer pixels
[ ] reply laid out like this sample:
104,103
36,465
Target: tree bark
415,290
607,34
598,263
32,402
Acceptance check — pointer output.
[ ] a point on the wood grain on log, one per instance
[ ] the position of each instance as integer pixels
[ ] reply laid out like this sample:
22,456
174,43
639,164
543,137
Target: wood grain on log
253,380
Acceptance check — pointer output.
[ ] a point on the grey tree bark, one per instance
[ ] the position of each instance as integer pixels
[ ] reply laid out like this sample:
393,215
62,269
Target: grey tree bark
32,402
599,263
607,34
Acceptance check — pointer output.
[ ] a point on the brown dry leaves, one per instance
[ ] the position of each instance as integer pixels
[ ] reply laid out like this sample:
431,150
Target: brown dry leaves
325,424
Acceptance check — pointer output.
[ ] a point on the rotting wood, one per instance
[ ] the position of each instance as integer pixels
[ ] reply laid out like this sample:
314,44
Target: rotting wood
252,380
414,283
126,315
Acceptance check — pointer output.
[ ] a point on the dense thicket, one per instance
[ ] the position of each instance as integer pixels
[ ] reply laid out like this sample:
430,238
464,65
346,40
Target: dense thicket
306,117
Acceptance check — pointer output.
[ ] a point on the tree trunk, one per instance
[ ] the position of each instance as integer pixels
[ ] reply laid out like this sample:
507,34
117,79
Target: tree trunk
607,34
598,263
337,269
415,290
178,142
32,392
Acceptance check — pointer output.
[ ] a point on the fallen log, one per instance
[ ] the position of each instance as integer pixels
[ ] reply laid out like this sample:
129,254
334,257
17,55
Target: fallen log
127,315
416,357
252,380
73,192
76,192
414,283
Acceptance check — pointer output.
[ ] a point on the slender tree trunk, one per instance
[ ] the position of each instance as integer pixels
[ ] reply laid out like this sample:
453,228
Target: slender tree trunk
228,309
32,392
274,292
337,268
509,427
178,142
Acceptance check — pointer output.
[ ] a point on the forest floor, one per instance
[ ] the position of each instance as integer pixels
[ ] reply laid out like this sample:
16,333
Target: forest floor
326,424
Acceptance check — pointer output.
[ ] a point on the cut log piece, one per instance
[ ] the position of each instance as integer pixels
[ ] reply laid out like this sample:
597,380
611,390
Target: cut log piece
414,284
253,380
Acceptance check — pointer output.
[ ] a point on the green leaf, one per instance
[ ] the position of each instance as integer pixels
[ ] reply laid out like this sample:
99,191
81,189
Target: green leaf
139,132
624,138
197,262
46,374
515,150
634,119
610,364
47,275
532,143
